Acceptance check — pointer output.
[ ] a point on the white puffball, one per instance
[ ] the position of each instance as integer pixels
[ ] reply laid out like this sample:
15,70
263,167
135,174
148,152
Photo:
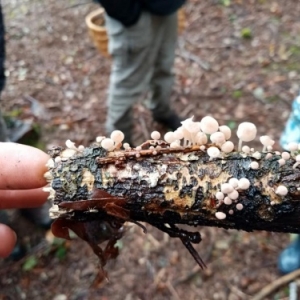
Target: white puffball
234,182
226,131
169,137
209,125
117,136
226,188
227,201
268,156
244,184
246,131
239,206
220,215
254,165
107,144
155,135
227,147
246,149
213,152
285,155
219,196
217,138
233,195
281,190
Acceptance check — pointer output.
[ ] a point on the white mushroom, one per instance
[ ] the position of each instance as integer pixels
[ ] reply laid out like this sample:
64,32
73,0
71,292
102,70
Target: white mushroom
218,138
170,137
244,184
226,131
209,125
226,188
117,136
281,190
254,165
227,147
107,144
267,142
213,152
220,215
246,132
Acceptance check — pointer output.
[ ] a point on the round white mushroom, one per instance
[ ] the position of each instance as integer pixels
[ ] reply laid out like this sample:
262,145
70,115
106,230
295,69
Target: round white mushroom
213,152
170,137
246,132
117,136
218,138
244,184
226,131
107,144
209,125
281,190
220,215
227,147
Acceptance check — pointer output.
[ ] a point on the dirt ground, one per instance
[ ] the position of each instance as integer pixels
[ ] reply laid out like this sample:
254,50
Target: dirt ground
237,60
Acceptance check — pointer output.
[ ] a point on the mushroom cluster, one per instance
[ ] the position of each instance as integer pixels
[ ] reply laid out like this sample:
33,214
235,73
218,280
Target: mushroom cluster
213,140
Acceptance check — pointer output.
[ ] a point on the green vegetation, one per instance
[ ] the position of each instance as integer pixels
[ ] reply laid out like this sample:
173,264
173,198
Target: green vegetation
246,33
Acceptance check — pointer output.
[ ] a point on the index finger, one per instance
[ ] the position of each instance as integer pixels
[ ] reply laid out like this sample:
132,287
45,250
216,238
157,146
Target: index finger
21,167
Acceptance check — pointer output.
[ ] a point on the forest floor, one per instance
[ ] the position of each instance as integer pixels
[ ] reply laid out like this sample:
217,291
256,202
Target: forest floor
237,61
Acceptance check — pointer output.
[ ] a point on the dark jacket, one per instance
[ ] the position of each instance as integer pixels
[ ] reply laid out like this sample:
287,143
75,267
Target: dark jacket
129,11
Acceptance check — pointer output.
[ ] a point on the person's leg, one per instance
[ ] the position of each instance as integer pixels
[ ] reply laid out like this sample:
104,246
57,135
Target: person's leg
130,73
291,131
163,78
3,130
289,258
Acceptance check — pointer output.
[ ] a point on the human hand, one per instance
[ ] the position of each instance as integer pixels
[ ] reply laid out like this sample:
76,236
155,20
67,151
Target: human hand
21,181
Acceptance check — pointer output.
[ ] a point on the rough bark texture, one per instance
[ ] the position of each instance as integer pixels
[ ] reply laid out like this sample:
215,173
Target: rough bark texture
177,187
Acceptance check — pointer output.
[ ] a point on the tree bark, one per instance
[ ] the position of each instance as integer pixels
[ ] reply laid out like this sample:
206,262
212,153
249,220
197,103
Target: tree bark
175,186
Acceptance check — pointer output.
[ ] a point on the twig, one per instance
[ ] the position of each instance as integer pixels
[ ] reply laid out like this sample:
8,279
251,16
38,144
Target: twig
238,292
172,291
270,288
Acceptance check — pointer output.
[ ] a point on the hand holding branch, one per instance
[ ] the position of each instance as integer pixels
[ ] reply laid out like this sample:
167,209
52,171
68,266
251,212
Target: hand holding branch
21,181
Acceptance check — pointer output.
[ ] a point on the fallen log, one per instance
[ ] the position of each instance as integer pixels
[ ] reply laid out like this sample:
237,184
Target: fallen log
95,190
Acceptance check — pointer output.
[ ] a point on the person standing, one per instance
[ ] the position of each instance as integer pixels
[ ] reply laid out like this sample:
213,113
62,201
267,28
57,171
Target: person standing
142,40
3,130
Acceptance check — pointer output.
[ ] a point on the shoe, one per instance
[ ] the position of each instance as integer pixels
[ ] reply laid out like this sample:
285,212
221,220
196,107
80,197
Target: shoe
289,258
172,121
291,131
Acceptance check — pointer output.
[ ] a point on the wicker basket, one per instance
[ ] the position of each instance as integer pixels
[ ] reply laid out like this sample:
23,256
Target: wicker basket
96,24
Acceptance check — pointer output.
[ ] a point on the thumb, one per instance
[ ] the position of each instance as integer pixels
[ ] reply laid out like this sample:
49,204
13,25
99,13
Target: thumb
8,240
